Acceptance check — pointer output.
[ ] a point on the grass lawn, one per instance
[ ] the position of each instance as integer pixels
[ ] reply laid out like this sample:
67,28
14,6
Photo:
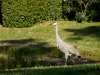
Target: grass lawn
86,69
21,46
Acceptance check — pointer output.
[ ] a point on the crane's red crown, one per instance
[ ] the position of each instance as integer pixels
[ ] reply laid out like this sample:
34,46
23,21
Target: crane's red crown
54,23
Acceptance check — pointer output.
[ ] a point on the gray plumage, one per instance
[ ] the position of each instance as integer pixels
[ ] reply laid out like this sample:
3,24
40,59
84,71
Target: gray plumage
65,47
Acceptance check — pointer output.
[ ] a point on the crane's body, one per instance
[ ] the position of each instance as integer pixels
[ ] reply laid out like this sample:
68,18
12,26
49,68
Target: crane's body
65,47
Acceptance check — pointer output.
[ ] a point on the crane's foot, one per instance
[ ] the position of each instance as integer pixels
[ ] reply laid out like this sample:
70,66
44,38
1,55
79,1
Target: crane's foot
73,62
65,63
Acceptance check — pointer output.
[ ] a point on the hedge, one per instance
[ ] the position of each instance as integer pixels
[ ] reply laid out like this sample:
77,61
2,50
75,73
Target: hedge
25,13
0,14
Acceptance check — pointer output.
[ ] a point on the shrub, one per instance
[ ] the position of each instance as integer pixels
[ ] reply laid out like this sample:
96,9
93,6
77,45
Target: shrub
94,12
80,17
0,13
25,13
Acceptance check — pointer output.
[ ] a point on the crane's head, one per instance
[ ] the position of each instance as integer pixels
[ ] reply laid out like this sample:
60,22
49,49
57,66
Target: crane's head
54,23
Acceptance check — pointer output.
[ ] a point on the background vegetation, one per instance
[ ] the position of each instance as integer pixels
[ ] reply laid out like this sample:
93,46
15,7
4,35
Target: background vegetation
81,10
0,13
22,47
27,13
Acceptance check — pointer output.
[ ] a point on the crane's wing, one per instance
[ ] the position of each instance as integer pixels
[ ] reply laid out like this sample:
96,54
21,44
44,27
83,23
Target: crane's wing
69,45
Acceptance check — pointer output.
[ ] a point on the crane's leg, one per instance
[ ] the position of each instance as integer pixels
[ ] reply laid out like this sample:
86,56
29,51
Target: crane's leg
65,62
66,57
73,61
70,56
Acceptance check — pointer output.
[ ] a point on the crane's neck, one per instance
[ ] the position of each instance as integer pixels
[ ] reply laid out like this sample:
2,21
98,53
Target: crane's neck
58,40
57,35
57,30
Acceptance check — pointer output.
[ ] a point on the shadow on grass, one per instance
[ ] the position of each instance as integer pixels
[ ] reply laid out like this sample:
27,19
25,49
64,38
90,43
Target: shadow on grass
7,44
23,44
25,53
93,31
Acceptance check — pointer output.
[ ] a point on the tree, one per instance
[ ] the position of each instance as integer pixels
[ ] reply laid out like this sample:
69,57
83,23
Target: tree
0,13
79,6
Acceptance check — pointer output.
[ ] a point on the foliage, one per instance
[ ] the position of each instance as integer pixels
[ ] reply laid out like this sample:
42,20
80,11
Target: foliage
79,6
80,17
0,13
25,13
94,12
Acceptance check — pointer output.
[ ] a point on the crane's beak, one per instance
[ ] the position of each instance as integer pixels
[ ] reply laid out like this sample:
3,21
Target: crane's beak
53,23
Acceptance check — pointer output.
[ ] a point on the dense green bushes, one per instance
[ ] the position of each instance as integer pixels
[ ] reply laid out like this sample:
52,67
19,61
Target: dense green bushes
81,10
94,12
25,13
80,17
0,14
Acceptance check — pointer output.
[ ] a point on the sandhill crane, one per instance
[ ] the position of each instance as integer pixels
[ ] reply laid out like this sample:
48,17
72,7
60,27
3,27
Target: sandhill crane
65,47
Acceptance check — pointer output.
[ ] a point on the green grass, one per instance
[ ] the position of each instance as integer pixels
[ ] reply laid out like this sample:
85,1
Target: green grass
86,69
21,46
